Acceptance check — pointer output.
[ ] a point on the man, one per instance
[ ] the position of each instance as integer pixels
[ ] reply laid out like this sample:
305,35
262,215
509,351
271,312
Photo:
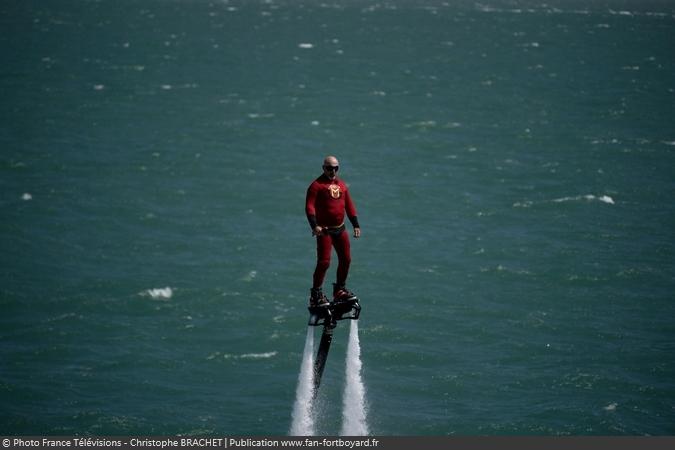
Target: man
327,202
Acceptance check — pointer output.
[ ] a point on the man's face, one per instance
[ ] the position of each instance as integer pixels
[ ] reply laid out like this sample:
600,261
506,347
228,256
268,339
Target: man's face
330,168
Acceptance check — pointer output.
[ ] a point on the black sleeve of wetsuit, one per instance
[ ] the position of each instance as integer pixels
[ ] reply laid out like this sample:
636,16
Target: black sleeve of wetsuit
355,221
312,221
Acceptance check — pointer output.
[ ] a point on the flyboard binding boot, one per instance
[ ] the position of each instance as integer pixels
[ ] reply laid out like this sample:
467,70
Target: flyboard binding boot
317,298
341,293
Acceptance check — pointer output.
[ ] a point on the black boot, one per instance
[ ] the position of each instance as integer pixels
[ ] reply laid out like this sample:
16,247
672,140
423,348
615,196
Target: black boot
317,298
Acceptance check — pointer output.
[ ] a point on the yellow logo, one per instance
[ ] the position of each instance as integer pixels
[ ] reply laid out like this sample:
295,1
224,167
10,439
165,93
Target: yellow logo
334,190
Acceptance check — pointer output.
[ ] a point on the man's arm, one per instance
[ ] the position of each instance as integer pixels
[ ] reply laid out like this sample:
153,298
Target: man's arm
310,209
350,209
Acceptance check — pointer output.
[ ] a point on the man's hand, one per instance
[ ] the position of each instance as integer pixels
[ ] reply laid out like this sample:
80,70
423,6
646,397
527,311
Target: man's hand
318,231
357,233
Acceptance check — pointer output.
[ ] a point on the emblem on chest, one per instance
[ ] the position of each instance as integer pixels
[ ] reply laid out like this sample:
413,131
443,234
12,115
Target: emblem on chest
335,190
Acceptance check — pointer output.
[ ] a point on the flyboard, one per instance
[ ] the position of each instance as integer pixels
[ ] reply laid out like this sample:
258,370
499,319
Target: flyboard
328,317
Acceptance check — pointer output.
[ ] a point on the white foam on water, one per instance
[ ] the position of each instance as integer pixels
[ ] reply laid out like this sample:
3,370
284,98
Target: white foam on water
354,420
62,317
265,355
588,197
26,197
303,420
250,276
258,355
159,293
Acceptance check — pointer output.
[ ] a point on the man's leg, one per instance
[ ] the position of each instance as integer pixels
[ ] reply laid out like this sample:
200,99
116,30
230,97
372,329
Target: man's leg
323,249
343,250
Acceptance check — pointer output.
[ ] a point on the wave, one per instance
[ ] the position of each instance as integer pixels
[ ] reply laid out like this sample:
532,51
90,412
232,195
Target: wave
588,198
158,293
264,355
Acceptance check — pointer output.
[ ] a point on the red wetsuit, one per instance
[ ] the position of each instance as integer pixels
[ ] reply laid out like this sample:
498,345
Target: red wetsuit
326,204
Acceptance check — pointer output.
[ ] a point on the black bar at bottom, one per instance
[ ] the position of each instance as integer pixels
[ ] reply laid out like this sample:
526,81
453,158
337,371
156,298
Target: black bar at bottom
341,443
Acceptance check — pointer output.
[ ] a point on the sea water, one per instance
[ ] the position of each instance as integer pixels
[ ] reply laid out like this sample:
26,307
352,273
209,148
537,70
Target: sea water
512,163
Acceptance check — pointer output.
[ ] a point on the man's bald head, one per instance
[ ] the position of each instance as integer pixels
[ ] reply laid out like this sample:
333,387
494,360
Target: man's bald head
330,161
330,166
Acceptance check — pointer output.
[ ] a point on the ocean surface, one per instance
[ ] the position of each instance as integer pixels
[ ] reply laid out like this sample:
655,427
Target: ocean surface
513,167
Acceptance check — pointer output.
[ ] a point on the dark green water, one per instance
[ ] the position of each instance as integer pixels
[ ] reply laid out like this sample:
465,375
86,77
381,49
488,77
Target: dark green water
513,164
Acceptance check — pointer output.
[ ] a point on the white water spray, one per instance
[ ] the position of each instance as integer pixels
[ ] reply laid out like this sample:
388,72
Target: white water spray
303,421
354,401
